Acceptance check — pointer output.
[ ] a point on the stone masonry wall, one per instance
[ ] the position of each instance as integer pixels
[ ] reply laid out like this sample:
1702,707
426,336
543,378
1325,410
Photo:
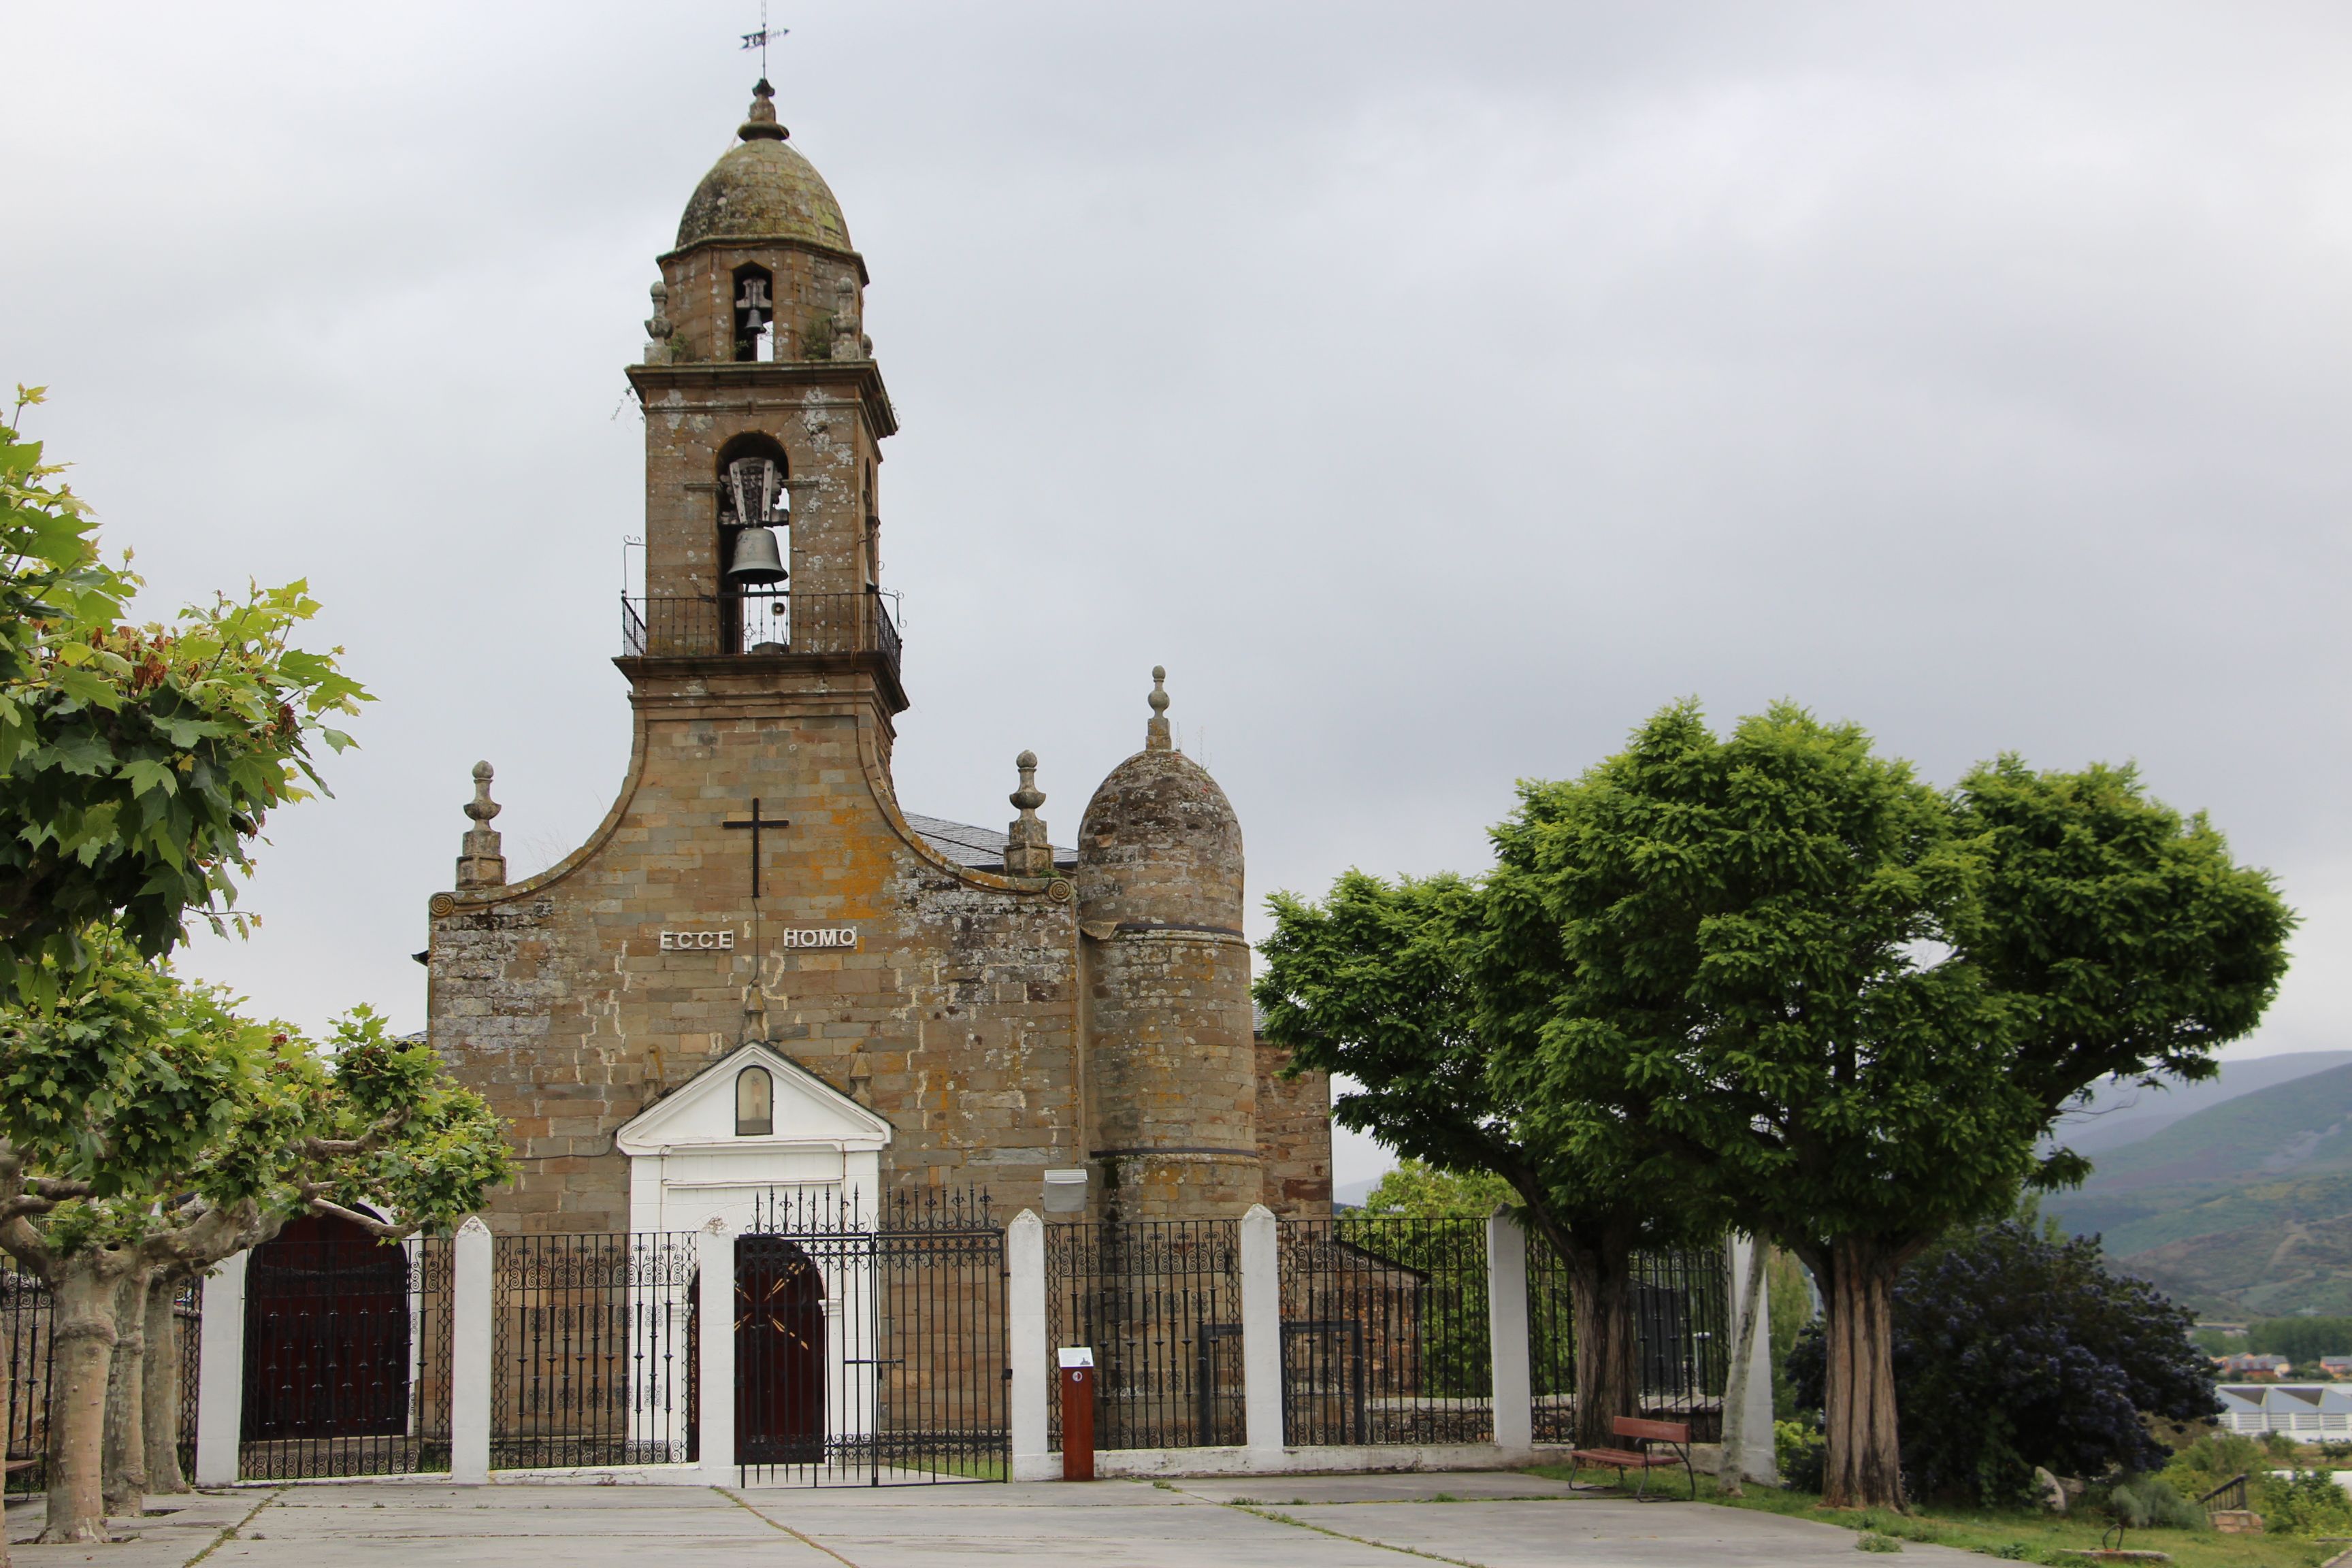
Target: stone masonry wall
953,1018
1293,1137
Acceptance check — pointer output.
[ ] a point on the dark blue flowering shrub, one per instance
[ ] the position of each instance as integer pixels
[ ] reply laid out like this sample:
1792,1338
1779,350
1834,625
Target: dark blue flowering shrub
2013,1350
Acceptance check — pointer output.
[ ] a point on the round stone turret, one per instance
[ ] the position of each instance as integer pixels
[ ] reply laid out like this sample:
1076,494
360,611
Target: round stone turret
1172,1065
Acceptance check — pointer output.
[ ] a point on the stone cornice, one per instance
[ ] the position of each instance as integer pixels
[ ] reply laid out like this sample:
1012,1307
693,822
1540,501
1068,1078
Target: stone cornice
863,377
765,242
736,679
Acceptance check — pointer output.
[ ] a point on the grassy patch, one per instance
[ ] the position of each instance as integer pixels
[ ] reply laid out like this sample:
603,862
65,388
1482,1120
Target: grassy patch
2015,1536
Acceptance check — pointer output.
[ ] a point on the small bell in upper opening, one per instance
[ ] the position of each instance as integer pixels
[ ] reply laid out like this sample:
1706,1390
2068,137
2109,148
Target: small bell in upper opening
757,559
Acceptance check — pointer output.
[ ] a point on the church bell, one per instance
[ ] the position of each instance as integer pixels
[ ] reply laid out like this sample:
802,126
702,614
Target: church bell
760,497
757,559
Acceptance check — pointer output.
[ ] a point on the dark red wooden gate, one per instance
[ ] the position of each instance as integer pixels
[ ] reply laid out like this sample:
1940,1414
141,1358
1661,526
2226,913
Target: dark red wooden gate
326,1335
779,1354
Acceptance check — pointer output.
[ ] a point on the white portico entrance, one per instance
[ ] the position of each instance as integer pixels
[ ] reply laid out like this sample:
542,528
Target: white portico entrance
749,1131
789,1169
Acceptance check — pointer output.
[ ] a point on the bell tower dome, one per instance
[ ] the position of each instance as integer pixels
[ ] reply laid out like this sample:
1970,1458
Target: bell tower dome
764,417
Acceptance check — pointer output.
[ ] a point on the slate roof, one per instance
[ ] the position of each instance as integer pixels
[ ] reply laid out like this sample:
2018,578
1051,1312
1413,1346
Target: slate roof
981,848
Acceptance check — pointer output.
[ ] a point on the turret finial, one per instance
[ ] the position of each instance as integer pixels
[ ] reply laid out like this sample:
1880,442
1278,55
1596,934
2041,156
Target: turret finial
480,863
1027,852
760,124
1155,734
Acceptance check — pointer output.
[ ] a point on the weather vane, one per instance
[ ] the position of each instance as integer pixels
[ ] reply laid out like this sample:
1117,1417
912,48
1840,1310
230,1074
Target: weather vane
759,40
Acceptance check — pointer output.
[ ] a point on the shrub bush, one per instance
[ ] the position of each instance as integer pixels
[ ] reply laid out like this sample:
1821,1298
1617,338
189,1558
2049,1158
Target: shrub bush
1797,1451
2012,1350
2301,1502
2216,1457
2142,1502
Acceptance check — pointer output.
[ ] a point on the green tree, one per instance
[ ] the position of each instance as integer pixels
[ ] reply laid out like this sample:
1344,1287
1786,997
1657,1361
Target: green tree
1851,1005
146,1128
2302,1341
1791,1309
137,763
1416,1190
1379,983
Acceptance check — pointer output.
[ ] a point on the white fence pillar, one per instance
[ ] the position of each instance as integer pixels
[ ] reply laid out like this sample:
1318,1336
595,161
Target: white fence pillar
220,1373
1024,1263
1757,1458
715,1324
1261,1422
1507,1331
469,1353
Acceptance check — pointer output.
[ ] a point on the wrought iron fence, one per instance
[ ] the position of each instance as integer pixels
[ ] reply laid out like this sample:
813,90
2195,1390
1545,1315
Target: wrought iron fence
1384,1331
590,1350
188,1323
871,1350
697,625
30,1356
346,1355
1160,1301
1682,1319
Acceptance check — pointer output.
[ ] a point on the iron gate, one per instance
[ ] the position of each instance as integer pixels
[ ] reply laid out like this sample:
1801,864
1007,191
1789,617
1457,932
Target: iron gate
871,1350
1160,1304
346,1354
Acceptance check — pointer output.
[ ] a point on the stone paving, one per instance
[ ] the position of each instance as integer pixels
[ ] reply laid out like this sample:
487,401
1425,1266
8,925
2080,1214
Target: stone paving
1485,1519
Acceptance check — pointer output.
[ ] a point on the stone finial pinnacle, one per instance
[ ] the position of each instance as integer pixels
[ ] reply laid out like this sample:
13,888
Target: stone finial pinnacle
1028,797
658,326
1155,734
760,124
1027,851
480,862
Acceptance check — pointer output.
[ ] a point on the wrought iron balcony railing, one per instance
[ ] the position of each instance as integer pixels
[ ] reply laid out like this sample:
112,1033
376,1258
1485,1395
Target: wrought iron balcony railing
717,626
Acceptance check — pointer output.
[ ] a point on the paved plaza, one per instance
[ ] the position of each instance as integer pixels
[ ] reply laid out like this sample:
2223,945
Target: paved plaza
1489,1520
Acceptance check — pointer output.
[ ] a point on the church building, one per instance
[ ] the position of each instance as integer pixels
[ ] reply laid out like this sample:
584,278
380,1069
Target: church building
762,977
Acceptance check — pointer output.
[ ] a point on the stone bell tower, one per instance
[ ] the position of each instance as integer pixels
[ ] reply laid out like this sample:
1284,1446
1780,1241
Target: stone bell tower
765,414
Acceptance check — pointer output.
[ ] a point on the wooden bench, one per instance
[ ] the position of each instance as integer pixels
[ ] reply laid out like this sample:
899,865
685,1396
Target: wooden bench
1673,1434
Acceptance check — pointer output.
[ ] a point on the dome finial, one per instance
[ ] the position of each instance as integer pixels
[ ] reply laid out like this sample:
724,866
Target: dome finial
760,124
1155,734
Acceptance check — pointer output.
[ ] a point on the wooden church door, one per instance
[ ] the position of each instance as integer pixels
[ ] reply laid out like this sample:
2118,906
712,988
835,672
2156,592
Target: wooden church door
779,1354
327,1335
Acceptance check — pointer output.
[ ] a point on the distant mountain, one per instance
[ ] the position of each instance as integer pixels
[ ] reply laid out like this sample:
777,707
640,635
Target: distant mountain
2126,1114
2244,1206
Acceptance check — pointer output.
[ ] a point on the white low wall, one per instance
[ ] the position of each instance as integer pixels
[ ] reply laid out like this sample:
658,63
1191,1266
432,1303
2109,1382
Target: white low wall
1171,1463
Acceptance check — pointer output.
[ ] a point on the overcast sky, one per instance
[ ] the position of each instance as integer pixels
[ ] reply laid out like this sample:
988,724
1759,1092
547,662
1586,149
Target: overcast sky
1437,391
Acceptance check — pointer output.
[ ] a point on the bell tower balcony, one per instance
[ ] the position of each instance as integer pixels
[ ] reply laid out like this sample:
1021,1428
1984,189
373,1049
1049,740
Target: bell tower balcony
781,627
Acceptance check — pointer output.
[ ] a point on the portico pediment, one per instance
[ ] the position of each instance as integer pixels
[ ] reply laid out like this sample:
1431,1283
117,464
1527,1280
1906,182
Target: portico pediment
699,1115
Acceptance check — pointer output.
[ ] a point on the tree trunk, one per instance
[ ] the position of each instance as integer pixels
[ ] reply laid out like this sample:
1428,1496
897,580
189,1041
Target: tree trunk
160,1385
1608,1382
125,1446
1865,1464
1730,1475
82,1303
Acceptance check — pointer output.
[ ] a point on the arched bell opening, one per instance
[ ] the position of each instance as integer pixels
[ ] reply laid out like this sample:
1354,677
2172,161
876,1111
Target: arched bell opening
755,545
779,1354
755,313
